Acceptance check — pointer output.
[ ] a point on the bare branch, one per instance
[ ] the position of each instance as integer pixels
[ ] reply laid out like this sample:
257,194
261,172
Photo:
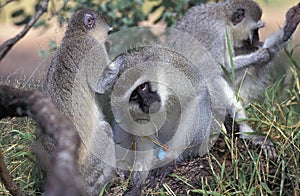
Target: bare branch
64,178
6,3
8,44
55,12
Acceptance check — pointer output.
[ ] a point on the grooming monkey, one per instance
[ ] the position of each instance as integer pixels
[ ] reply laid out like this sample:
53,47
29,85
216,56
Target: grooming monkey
163,113
211,32
78,70
238,22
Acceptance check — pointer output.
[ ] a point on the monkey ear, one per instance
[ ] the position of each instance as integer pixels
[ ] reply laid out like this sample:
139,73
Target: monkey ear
238,16
89,21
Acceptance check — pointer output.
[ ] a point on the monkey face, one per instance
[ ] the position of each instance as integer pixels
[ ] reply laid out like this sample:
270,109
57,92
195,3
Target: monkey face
100,28
146,98
245,22
86,21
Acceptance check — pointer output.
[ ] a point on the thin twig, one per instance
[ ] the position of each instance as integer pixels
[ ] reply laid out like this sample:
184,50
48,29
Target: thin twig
8,44
55,12
6,3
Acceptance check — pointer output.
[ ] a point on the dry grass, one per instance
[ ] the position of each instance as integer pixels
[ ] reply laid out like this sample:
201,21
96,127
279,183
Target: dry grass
245,174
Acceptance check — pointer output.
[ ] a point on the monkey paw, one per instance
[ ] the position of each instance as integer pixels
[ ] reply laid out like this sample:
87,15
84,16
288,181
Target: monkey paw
267,146
160,174
292,21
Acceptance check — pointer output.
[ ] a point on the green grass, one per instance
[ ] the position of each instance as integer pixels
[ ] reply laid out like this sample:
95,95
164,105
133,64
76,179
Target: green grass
251,173
16,137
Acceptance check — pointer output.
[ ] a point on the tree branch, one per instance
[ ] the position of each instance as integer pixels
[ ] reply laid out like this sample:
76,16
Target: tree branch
56,12
64,178
8,44
6,3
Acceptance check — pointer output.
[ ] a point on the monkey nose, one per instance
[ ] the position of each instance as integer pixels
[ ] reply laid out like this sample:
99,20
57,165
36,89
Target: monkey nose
260,24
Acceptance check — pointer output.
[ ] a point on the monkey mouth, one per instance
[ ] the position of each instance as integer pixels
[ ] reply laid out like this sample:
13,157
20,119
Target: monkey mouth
253,37
253,43
142,120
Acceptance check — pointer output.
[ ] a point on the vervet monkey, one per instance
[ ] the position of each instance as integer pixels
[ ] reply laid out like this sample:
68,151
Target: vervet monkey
141,92
233,26
78,70
163,112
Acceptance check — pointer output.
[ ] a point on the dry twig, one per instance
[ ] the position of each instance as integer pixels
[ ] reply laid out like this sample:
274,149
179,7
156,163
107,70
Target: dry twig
8,44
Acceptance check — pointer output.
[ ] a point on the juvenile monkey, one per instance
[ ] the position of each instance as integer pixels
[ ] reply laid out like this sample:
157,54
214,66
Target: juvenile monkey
78,70
238,22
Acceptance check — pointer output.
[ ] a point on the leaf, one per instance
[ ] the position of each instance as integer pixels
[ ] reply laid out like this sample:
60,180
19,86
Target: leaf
229,48
17,13
43,53
265,186
39,24
24,21
52,44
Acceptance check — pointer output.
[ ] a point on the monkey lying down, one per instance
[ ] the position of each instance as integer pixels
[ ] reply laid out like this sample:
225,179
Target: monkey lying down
161,116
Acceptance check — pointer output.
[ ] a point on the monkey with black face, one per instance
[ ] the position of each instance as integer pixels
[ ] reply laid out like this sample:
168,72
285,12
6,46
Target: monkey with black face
79,69
163,113
138,103
144,96
233,26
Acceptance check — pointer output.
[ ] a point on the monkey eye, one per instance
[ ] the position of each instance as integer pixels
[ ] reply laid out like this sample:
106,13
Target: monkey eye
238,16
89,21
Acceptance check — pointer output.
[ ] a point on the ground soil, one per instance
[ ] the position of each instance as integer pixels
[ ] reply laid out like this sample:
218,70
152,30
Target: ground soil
200,169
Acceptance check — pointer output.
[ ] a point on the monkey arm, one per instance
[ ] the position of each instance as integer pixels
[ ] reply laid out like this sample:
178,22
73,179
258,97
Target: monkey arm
260,56
110,74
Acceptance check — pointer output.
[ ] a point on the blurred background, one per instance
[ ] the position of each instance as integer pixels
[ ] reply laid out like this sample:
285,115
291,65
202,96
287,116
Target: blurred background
30,56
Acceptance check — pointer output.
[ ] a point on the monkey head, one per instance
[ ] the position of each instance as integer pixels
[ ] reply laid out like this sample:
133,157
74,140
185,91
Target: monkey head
244,22
88,22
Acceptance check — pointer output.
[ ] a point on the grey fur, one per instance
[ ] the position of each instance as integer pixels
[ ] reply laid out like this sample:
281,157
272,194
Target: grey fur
209,23
185,130
77,71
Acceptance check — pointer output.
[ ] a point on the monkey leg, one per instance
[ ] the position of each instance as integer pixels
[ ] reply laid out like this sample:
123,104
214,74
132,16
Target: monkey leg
292,21
141,165
95,174
277,41
237,112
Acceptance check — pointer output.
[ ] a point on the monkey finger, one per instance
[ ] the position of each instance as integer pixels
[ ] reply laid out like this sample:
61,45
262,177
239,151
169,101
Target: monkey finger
269,150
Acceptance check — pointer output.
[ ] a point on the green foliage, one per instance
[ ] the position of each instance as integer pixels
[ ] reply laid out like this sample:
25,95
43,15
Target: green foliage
121,13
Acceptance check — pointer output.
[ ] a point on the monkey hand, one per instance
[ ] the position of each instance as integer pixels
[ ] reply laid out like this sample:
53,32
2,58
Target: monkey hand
108,78
292,21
